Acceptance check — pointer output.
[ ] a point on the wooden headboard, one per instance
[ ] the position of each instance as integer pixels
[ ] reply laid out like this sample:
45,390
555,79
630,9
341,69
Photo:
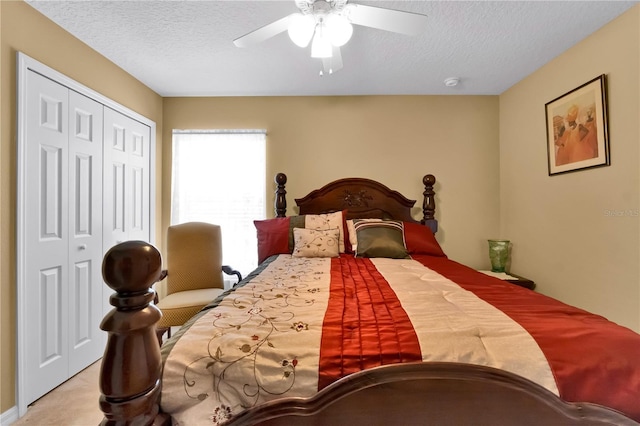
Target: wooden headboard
362,198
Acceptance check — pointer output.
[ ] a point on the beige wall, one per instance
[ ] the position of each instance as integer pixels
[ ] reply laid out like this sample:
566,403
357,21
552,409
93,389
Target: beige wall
24,29
393,139
561,235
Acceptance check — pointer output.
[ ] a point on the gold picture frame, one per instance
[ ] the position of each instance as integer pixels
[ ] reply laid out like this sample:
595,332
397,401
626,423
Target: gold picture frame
577,128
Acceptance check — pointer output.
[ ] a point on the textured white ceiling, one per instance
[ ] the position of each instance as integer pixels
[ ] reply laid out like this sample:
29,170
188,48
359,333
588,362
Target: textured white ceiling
184,48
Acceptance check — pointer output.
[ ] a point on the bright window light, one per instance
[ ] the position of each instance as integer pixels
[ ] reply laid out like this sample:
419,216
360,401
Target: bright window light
219,177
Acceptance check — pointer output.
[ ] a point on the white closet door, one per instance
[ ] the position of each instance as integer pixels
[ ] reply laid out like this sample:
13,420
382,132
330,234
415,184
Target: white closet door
139,164
46,235
63,234
115,158
126,179
86,340
126,193
82,185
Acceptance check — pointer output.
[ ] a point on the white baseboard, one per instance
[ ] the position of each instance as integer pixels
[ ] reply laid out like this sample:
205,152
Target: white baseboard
9,416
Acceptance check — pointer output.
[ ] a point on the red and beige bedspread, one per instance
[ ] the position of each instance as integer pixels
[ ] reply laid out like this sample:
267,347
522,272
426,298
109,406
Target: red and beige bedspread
303,323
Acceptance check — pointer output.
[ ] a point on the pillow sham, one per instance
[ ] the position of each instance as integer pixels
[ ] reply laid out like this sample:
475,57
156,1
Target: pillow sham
316,242
273,237
319,221
351,232
295,222
380,239
419,239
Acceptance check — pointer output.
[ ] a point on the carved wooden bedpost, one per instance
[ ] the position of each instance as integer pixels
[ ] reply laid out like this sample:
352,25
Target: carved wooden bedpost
429,203
132,365
281,200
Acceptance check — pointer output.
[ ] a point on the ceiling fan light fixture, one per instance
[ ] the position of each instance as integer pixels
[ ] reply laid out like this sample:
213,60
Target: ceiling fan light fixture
338,28
321,46
328,25
301,28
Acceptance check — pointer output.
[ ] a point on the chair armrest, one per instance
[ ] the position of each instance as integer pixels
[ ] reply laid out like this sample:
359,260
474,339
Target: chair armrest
230,271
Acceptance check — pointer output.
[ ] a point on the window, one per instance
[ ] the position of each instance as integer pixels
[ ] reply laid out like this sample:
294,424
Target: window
219,177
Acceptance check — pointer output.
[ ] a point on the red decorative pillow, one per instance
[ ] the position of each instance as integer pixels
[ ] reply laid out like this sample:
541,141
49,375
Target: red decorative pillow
273,237
419,239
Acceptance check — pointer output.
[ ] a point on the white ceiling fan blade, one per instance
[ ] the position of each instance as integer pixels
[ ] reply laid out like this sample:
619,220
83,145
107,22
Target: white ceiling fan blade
334,63
263,33
397,21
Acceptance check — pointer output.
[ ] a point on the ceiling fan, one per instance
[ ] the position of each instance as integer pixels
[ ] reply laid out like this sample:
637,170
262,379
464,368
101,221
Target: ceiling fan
327,25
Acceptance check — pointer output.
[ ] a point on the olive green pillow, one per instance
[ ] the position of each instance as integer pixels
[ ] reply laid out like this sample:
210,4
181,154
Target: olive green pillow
380,239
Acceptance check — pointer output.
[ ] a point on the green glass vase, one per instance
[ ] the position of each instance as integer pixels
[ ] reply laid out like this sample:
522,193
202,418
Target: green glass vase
499,255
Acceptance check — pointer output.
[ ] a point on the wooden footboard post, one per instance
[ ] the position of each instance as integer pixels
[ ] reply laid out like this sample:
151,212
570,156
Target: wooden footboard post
429,203
281,200
131,366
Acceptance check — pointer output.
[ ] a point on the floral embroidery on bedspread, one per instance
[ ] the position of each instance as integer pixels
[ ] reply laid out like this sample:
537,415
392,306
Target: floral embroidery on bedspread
260,343
263,340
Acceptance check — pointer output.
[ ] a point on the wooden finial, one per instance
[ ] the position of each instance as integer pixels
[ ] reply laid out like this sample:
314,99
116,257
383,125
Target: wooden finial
130,378
281,200
429,202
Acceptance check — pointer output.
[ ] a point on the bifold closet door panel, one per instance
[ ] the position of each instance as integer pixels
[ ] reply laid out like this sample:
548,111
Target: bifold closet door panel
86,340
126,179
46,235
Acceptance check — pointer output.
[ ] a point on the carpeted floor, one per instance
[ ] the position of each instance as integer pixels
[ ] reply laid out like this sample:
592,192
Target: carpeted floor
73,403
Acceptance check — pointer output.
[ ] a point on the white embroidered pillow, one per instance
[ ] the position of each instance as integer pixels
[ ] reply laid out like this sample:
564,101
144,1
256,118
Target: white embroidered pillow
316,243
326,221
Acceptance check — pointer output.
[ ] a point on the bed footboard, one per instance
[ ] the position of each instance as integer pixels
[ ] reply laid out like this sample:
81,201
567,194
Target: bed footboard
131,367
432,393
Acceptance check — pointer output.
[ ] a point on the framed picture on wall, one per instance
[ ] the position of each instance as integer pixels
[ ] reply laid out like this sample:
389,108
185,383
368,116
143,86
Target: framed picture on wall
577,136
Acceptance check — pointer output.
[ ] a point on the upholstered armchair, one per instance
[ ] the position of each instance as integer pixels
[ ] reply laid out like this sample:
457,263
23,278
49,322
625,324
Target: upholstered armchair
194,272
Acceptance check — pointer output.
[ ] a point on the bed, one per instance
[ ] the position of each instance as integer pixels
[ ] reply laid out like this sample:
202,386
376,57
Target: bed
396,333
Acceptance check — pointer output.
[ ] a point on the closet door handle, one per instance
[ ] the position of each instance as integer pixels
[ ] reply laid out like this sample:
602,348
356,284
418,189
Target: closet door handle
82,247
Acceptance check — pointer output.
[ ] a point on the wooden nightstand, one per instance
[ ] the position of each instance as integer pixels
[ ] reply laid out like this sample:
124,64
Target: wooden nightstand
522,281
516,279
